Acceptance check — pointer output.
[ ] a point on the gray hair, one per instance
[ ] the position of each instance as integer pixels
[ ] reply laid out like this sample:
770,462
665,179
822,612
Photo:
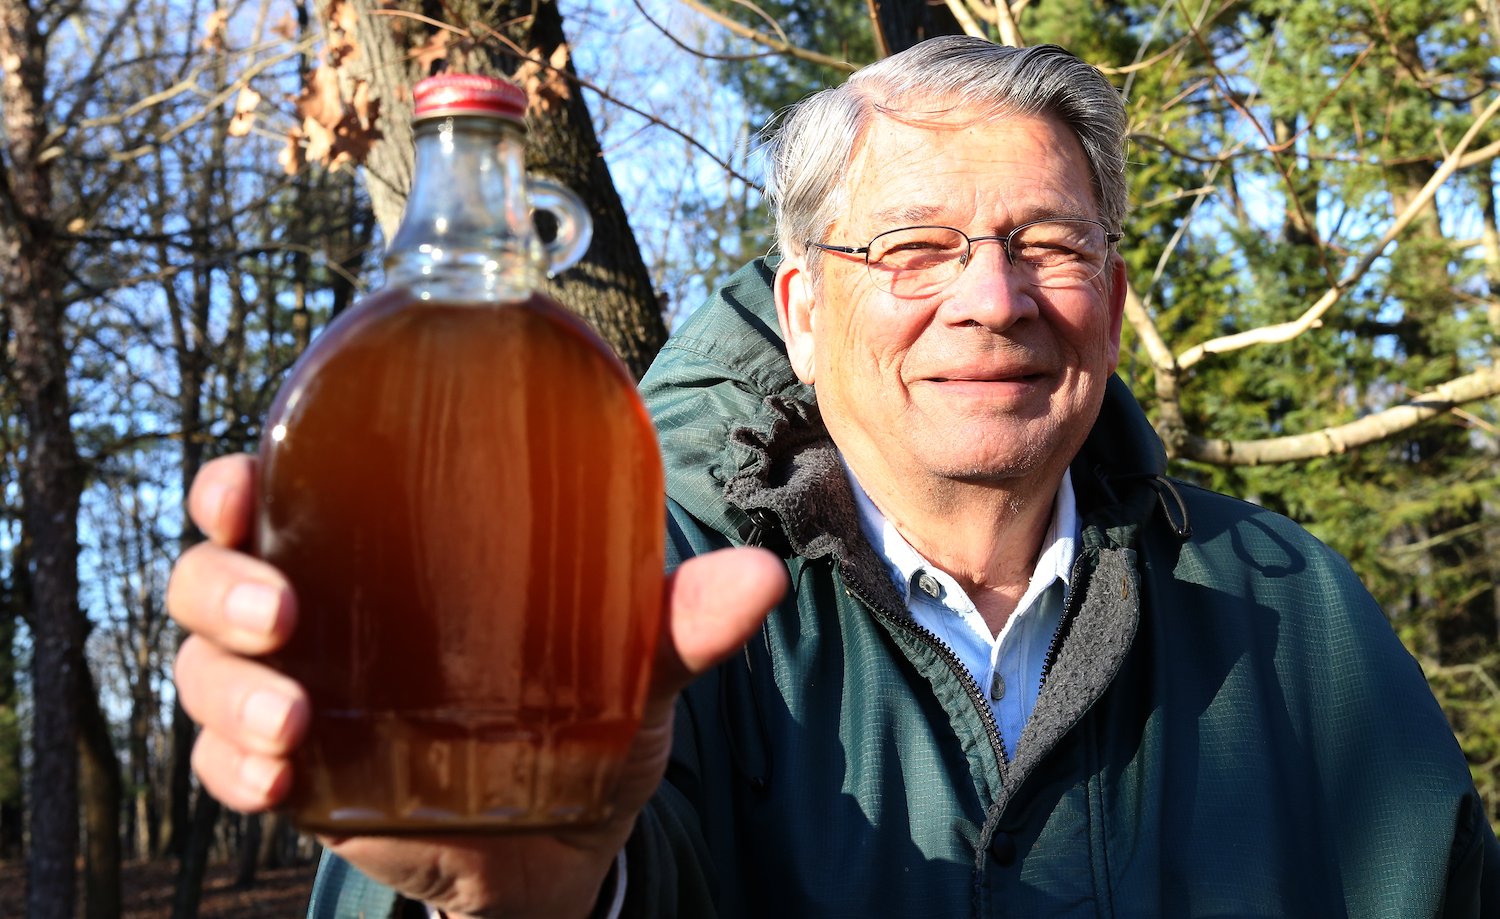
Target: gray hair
812,147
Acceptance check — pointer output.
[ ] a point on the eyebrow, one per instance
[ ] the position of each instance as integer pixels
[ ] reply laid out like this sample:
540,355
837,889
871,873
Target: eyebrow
906,214
924,214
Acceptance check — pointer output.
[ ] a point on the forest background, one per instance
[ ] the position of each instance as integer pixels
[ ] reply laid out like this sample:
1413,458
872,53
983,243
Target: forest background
188,193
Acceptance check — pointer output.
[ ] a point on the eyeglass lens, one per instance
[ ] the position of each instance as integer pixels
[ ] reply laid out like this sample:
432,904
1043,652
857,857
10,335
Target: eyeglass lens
920,261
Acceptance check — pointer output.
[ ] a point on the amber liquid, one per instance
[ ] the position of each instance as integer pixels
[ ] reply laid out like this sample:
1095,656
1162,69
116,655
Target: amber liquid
468,500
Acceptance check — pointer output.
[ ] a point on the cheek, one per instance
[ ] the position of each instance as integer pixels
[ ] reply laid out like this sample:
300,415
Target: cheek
867,345
1085,330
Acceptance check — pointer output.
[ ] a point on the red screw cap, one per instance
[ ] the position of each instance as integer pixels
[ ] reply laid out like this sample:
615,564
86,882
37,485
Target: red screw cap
468,94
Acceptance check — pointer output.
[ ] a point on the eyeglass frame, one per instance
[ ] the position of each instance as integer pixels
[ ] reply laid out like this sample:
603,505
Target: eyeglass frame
1002,238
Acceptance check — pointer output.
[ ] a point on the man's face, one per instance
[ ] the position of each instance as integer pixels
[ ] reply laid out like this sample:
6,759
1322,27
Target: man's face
989,379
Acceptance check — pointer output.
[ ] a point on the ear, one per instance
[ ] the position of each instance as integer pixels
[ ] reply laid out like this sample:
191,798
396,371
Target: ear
1115,303
795,308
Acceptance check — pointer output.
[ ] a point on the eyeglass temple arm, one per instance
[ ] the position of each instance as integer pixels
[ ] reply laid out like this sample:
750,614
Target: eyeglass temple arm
847,250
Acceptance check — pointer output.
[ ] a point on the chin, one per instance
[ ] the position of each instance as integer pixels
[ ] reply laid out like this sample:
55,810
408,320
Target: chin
994,470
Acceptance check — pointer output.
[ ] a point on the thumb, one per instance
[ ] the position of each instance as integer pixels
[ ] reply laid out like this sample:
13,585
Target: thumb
714,603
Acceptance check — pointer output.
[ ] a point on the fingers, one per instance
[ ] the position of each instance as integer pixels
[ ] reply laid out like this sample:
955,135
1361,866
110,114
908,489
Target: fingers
244,701
252,718
246,782
232,599
222,499
715,602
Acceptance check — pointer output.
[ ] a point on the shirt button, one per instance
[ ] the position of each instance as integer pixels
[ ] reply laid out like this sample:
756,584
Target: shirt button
929,585
997,686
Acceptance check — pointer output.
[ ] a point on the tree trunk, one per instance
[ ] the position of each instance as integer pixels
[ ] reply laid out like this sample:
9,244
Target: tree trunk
903,23
277,838
610,287
143,713
189,891
31,264
102,797
175,827
244,876
12,798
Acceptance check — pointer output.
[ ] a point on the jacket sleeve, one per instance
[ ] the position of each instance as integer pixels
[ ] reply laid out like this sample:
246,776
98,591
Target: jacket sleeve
670,873
1474,868
671,867
341,891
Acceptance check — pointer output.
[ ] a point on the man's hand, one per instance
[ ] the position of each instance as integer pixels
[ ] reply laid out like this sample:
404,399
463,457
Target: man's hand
238,608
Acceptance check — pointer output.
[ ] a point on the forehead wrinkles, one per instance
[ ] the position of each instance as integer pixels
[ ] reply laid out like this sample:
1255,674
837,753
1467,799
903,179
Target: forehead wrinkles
895,173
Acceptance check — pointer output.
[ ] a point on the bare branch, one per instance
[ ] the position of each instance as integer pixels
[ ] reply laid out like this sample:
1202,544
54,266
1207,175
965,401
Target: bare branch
1149,62
1010,32
882,47
779,45
966,21
1287,331
696,52
1481,384
985,9
605,94
1145,329
209,106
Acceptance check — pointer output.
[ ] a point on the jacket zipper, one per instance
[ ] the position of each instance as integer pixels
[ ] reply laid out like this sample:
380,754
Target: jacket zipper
976,695
1070,610
761,519
1054,647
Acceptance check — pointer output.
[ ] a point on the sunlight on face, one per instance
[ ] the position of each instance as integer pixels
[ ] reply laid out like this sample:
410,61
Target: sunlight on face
991,378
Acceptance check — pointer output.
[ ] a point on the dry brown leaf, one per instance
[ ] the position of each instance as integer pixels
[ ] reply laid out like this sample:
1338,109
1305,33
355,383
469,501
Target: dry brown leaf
354,140
286,26
319,141
244,112
546,87
320,99
342,16
213,30
336,132
433,50
290,157
362,105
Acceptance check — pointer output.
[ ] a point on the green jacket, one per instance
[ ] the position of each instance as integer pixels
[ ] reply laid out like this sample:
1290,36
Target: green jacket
1227,726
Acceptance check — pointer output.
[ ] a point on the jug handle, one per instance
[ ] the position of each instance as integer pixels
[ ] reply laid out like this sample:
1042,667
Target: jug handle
575,229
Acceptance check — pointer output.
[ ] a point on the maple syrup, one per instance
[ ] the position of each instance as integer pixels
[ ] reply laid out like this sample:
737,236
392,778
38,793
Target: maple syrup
465,490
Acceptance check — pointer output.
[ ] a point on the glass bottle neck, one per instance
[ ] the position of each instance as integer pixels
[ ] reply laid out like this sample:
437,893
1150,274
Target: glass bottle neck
466,233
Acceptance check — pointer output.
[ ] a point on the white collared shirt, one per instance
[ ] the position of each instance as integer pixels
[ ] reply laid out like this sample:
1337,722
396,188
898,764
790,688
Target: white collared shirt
1008,666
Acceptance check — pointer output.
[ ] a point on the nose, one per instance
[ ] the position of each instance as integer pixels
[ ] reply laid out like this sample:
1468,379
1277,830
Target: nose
990,291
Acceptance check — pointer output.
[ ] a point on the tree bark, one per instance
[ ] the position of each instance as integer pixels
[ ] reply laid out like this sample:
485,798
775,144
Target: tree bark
51,475
189,892
249,854
276,838
903,23
102,797
12,799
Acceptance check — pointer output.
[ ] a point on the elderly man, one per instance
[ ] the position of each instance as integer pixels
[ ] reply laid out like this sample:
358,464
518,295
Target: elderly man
1018,671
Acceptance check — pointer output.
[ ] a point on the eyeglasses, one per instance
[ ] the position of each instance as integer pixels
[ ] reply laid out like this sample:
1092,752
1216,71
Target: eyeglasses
920,261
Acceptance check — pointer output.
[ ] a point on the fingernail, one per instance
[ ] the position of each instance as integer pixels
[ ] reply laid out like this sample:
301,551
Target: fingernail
253,607
258,775
265,713
212,502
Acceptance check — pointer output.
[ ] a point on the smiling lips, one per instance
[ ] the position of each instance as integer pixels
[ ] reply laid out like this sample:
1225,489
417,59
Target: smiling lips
1018,375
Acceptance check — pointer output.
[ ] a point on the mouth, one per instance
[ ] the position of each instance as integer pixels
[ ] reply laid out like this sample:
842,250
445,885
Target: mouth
988,378
988,387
